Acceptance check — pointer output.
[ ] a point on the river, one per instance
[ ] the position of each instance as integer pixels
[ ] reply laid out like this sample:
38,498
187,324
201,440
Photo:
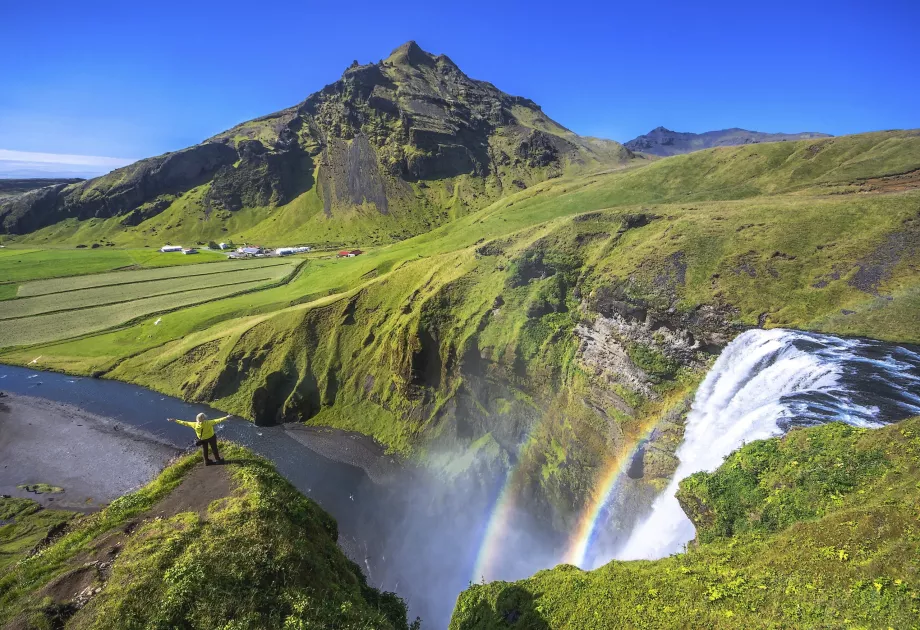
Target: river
419,537
383,510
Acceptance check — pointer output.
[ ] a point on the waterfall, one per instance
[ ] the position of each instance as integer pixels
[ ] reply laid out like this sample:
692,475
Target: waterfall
765,382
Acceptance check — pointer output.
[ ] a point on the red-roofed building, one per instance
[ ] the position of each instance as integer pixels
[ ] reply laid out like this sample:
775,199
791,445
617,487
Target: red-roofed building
349,253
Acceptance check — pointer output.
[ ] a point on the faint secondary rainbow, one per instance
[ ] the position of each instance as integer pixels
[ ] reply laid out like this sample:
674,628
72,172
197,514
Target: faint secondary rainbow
587,526
499,520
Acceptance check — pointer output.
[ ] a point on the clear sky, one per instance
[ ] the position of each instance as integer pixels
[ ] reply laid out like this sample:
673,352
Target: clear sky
134,79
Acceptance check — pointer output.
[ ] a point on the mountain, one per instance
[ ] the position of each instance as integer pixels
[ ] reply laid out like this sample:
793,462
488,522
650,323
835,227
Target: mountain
664,142
389,150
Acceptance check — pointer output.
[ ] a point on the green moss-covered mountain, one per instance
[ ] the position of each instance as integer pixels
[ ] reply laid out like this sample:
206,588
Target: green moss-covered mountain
390,150
664,142
814,530
556,326
228,547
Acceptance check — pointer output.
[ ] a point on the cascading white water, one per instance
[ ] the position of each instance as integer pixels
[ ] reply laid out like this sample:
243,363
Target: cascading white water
764,382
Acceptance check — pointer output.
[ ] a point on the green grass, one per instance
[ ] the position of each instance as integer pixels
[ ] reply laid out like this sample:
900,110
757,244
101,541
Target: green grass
8,291
64,324
121,293
41,488
399,341
817,529
58,285
19,265
25,525
265,557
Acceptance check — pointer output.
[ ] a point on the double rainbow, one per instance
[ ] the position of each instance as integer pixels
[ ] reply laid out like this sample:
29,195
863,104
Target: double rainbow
498,527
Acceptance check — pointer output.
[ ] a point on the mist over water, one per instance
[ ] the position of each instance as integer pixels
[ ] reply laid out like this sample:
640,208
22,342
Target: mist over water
764,383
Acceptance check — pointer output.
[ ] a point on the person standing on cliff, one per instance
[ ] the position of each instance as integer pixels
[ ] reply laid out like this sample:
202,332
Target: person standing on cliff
204,430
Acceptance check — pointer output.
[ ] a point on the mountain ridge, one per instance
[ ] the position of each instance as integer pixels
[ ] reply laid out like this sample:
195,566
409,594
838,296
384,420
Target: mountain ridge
404,144
665,142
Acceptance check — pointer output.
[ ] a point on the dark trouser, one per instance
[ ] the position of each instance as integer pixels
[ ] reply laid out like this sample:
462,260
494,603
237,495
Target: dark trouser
212,441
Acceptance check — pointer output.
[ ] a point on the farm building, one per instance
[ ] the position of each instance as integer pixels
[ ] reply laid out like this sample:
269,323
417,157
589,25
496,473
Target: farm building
249,251
285,251
189,250
224,246
349,253
171,248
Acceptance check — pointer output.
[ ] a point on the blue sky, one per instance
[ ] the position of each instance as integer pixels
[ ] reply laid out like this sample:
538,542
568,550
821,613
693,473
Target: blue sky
134,79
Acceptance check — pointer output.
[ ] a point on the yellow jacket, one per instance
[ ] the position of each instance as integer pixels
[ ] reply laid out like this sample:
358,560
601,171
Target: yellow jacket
203,429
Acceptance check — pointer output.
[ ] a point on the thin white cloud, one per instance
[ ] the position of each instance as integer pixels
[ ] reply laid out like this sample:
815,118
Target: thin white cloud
97,161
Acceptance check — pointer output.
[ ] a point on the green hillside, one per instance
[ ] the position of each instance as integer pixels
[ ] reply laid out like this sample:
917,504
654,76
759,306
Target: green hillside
557,324
232,546
814,530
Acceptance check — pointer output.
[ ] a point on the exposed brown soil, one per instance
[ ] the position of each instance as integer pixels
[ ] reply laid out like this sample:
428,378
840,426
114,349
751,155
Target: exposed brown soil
198,489
891,183
68,586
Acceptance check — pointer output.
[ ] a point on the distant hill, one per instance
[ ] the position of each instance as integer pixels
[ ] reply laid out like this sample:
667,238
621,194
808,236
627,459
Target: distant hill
390,150
664,142
10,187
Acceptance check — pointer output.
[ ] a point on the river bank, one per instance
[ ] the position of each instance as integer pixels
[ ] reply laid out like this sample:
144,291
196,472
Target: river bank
93,458
99,438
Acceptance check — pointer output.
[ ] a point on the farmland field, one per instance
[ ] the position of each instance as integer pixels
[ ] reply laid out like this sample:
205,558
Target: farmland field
20,265
120,293
64,324
116,278
51,316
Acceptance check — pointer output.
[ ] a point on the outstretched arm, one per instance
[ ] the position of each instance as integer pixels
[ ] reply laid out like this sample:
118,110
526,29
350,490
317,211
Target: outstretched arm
221,419
182,422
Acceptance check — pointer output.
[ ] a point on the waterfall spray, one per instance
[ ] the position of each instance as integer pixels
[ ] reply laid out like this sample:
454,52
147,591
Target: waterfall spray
763,383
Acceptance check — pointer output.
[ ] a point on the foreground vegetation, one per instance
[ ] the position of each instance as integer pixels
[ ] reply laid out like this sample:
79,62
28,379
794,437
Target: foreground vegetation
814,530
258,554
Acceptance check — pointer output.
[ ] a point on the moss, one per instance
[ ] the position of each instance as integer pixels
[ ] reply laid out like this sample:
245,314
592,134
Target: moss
25,525
652,362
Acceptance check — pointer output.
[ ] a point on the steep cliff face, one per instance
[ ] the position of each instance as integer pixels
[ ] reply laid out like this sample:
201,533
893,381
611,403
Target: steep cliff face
410,135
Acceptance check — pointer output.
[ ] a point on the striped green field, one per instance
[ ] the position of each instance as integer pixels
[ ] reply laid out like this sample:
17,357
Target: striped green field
64,308
22,265
121,293
117,278
67,324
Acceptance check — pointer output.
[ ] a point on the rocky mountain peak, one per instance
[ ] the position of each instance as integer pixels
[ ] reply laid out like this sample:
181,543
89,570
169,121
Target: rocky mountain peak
409,54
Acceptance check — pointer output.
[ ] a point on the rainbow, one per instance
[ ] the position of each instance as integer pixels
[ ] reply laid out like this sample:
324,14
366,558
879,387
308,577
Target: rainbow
498,526
495,530
587,526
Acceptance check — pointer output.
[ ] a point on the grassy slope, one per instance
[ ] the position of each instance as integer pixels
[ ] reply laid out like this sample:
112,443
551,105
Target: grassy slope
385,342
265,557
817,529
26,525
